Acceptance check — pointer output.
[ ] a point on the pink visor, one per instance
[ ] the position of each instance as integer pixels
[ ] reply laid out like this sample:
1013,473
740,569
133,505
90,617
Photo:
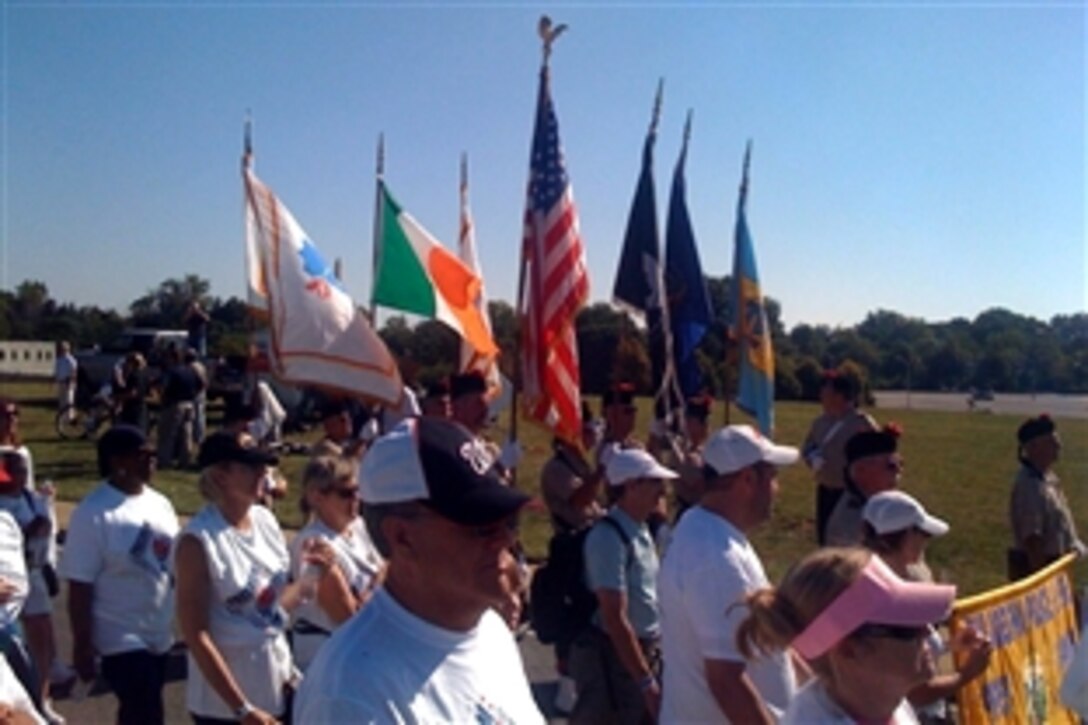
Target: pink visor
878,596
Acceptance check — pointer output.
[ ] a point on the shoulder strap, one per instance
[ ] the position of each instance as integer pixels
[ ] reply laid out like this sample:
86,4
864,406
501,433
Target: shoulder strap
627,545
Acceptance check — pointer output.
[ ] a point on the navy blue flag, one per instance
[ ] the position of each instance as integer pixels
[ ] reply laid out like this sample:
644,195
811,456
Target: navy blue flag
639,278
685,286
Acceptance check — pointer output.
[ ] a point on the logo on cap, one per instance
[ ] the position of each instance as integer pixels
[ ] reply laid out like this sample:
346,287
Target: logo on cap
476,455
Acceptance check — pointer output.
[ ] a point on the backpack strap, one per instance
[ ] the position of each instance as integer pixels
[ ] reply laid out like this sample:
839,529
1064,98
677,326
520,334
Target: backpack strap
628,545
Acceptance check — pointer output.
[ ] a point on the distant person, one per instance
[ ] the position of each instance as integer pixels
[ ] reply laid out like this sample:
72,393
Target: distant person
11,438
873,464
689,487
824,447
569,484
862,630
200,403
338,438
330,500
120,589
436,401
1043,529
708,572
65,375
470,407
615,663
196,323
180,387
898,529
620,413
130,388
428,647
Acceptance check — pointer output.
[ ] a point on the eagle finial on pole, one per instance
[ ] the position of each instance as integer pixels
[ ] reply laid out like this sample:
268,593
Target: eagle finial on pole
548,34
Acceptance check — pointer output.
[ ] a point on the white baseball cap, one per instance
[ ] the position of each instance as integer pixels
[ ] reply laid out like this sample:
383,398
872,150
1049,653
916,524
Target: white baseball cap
736,447
627,464
892,511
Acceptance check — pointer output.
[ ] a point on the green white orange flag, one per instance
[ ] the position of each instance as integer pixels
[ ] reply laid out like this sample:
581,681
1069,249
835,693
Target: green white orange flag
416,274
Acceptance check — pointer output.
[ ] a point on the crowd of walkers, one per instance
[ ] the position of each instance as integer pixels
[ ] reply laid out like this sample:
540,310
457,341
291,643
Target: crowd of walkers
400,598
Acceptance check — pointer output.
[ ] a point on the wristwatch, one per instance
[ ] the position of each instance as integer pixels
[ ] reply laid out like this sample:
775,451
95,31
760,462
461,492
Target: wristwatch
243,710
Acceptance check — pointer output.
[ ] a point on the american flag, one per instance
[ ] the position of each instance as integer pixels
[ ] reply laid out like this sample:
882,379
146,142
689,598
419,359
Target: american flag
558,282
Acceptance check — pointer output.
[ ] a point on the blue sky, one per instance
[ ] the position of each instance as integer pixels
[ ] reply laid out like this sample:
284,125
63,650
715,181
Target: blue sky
926,158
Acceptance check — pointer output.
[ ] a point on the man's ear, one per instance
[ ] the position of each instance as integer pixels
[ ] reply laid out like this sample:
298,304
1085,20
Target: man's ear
399,534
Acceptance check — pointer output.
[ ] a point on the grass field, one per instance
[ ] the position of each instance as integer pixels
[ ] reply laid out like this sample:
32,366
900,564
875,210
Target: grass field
959,465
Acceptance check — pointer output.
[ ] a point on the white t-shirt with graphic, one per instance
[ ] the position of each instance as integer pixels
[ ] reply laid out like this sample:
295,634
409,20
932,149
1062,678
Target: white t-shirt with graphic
710,567
248,571
388,665
813,705
122,545
359,561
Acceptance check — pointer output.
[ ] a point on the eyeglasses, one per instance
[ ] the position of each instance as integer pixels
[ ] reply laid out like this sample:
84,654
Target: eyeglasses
347,493
892,631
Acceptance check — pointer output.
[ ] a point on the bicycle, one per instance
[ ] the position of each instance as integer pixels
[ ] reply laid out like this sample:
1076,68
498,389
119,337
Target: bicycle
76,422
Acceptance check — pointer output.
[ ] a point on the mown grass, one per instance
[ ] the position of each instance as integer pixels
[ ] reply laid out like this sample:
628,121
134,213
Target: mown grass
959,465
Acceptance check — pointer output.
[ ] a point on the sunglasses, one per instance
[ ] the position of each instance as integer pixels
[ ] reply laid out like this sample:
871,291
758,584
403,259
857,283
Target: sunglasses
892,631
347,494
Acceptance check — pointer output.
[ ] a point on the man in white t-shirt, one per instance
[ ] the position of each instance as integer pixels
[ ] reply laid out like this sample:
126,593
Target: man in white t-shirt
709,569
117,562
429,646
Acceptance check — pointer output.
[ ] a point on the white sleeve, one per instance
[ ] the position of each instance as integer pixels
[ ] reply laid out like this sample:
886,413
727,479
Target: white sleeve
13,564
81,559
1074,691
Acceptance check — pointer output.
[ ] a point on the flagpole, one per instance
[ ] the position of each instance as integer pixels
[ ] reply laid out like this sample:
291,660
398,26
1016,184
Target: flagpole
737,296
375,253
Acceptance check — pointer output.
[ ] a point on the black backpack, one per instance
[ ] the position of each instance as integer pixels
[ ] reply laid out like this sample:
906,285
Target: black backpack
560,603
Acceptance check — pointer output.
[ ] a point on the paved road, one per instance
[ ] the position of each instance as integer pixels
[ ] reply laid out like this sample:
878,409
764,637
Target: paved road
1059,406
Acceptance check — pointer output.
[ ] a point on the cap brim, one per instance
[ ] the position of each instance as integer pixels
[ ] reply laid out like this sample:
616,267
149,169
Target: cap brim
661,473
934,526
257,457
780,455
486,504
913,603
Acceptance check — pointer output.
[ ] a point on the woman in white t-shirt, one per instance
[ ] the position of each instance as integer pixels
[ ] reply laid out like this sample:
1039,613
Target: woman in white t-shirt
330,497
862,629
231,564
897,528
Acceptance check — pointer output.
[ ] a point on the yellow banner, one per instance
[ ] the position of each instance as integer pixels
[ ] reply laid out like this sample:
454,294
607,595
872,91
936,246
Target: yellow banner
1032,625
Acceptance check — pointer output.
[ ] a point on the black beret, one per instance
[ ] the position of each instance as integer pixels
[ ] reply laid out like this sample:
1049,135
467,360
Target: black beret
872,443
1032,428
466,383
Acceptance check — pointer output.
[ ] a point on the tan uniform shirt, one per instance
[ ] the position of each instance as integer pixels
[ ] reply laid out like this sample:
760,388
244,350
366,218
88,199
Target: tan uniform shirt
825,445
1038,507
561,476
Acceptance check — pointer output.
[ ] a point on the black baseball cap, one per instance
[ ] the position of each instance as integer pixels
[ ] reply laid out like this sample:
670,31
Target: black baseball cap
120,440
442,465
619,394
872,443
226,447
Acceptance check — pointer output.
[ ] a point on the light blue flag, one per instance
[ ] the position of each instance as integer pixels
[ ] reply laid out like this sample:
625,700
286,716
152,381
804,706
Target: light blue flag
755,391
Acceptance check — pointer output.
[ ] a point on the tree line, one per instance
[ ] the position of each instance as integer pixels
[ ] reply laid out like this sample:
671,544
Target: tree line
999,349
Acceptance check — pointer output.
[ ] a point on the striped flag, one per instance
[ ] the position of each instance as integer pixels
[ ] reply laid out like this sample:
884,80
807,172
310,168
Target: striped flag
471,358
557,282
318,335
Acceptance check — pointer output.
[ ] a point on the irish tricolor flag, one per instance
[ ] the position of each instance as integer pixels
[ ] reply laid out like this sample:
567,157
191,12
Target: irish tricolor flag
417,274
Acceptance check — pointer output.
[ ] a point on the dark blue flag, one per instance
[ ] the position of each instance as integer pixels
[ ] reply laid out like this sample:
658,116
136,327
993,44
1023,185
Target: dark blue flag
685,287
639,283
